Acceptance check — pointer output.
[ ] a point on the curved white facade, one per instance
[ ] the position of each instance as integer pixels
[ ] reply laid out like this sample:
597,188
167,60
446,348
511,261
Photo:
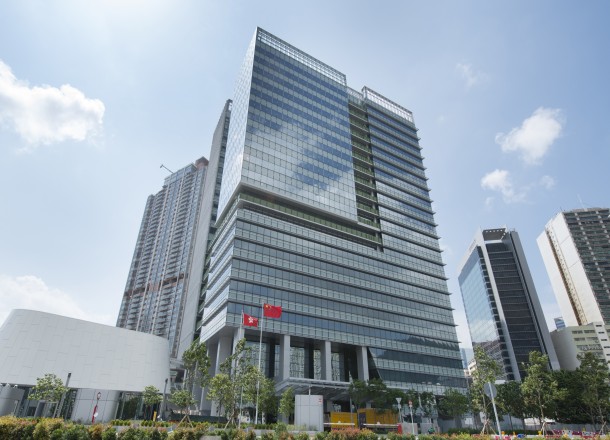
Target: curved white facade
98,356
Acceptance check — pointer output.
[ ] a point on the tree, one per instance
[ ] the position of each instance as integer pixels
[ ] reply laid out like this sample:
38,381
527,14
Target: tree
359,393
539,388
453,404
287,403
595,379
151,396
183,399
569,407
378,394
49,388
196,363
510,400
487,371
234,385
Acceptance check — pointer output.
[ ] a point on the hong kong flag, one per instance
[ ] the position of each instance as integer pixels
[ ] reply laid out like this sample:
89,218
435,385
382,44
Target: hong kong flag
270,311
250,321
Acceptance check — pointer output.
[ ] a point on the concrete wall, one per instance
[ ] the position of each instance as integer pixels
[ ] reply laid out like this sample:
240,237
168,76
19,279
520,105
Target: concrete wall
33,344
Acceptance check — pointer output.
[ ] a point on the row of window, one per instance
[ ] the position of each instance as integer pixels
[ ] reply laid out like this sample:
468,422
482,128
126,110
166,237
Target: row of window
277,62
367,261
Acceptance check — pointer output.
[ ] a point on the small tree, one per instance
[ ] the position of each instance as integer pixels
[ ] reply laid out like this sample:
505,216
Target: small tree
358,393
197,365
49,388
287,403
234,384
453,405
595,378
510,400
151,397
539,388
570,408
183,399
487,371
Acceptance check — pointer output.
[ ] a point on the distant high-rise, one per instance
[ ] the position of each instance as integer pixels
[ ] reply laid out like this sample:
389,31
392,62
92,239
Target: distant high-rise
575,247
559,323
502,307
324,210
154,296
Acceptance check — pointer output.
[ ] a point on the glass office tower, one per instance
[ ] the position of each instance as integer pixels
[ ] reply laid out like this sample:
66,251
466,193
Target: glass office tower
154,297
324,210
502,307
575,247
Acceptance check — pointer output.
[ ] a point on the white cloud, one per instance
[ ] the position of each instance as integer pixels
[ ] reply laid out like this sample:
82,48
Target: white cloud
43,115
547,182
30,292
533,139
470,75
500,180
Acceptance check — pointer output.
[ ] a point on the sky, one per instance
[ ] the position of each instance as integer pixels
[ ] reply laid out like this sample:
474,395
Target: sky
510,98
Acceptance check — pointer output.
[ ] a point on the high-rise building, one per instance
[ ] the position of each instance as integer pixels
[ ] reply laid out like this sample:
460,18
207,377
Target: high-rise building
559,323
502,307
575,247
324,210
154,297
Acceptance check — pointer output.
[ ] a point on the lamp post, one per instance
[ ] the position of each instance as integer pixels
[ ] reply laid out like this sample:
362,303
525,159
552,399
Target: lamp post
99,396
163,407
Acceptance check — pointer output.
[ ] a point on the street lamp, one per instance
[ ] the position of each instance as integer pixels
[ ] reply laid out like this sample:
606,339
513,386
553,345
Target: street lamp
163,404
99,396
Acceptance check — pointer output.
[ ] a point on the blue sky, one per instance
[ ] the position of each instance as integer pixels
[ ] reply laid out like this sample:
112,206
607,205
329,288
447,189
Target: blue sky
510,99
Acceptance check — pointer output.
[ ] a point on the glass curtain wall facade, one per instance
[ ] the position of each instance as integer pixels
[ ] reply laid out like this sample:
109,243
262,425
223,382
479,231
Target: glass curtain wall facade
153,301
324,210
575,247
502,307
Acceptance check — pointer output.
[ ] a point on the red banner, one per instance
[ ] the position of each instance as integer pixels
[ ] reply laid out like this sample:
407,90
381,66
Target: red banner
270,311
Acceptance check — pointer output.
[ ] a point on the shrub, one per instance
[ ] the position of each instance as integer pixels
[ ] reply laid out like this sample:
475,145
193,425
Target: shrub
95,432
132,433
76,432
41,432
109,434
58,434
366,434
321,435
158,434
302,436
267,436
24,429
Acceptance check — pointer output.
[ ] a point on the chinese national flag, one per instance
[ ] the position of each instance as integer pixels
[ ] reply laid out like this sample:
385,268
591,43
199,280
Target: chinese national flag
250,321
270,311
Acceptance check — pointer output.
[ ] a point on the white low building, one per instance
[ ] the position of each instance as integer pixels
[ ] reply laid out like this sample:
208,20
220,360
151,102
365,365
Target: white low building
572,341
104,363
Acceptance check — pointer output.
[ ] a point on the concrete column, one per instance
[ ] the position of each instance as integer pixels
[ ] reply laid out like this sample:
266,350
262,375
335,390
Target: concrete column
223,351
326,361
363,363
284,357
238,335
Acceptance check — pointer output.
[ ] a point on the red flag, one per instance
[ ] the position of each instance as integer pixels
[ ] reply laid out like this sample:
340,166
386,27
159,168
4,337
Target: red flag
270,311
250,321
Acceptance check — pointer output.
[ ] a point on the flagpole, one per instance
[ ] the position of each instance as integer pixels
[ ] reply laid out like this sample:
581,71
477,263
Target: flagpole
241,394
260,352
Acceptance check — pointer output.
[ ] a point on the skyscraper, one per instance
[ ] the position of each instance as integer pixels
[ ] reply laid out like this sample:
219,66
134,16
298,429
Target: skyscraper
154,296
575,247
324,210
502,307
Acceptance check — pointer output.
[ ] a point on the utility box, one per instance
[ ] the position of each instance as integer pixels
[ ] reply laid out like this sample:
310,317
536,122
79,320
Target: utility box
308,412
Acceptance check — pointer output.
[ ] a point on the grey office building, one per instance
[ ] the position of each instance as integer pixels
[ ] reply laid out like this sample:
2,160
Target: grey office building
324,210
504,314
575,247
155,293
